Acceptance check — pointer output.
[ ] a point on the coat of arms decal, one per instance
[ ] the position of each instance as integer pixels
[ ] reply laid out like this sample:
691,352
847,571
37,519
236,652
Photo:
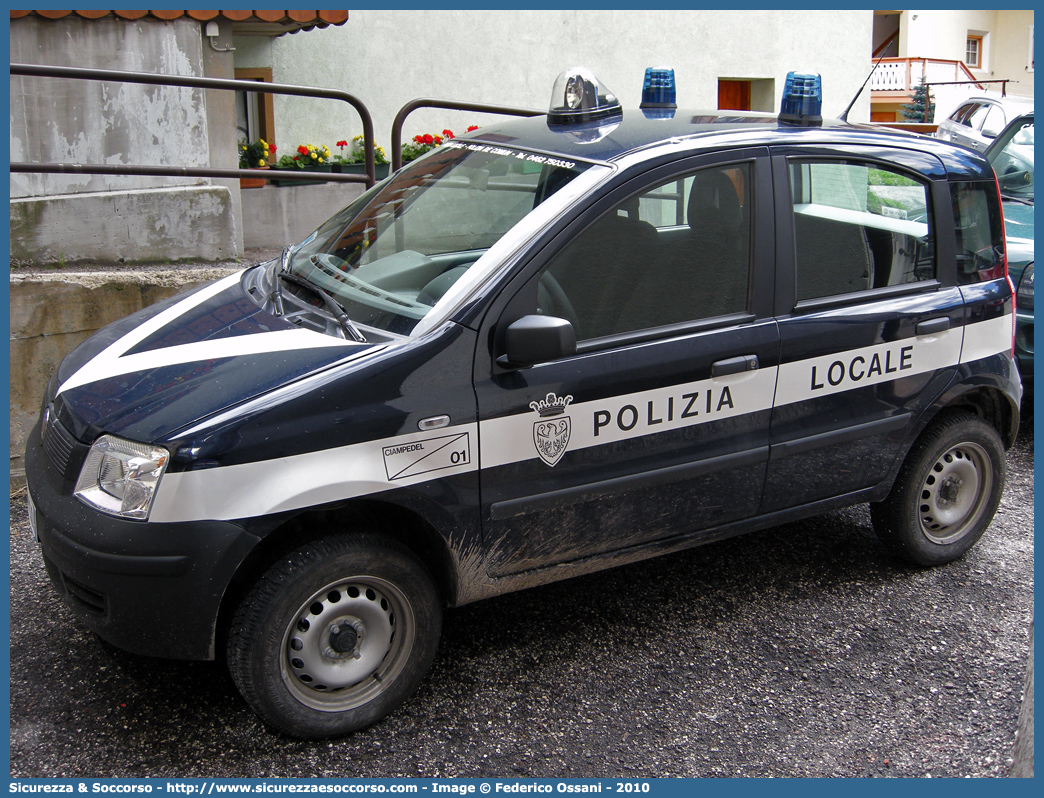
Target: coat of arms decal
551,432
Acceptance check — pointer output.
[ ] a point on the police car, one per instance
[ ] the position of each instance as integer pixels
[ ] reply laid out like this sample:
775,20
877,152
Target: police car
548,347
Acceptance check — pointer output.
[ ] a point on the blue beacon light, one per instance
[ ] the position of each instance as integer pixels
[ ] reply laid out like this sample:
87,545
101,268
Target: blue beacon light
658,93
802,101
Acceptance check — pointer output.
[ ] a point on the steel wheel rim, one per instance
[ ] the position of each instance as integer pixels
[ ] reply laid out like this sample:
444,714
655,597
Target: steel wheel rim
955,492
347,643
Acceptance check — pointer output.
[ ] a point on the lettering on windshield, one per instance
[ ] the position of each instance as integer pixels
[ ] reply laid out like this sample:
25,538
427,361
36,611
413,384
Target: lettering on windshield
546,160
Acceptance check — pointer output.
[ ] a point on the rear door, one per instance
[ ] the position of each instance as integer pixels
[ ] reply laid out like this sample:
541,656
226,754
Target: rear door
659,424
965,122
870,323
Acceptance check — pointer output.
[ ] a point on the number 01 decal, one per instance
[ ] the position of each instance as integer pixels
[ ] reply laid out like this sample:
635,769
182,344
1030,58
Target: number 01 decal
431,454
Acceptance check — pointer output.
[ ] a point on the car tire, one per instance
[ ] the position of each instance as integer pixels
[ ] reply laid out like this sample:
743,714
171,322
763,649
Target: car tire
335,636
946,493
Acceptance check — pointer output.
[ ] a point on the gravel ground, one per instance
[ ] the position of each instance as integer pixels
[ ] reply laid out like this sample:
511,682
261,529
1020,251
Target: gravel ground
805,650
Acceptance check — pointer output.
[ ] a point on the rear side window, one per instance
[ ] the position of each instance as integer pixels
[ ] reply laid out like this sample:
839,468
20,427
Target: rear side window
975,119
980,233
857,227
961,114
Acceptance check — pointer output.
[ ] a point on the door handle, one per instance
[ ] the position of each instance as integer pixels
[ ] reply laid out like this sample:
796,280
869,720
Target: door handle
734,365
933,326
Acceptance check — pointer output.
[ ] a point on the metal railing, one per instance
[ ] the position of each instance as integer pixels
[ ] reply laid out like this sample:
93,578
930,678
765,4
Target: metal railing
424,102
36,70
904,74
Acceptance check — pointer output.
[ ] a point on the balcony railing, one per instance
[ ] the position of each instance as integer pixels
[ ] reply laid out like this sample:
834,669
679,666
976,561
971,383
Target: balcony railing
905,74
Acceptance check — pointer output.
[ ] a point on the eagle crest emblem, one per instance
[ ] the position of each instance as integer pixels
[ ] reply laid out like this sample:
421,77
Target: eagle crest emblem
551,432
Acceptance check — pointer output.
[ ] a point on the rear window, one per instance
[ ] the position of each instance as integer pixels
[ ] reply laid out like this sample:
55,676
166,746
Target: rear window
979,229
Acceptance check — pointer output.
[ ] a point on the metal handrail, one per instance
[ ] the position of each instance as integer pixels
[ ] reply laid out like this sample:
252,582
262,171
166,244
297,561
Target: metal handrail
46,71
452,105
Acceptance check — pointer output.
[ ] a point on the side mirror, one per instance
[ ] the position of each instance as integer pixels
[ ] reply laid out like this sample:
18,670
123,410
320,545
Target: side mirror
537,339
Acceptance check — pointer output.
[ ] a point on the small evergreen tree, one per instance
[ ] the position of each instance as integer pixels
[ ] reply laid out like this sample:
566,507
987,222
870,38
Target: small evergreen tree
920,108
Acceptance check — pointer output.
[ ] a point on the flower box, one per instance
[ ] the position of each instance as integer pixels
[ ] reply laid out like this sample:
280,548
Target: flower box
253,182
283,181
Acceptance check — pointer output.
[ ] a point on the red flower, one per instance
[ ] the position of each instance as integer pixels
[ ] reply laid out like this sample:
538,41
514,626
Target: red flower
271,147
297,157
473,127
447,133
302,149
427,138
342,144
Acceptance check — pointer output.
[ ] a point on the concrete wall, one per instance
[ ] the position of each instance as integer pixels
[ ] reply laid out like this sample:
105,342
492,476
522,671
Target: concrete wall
221,121
70,121
141,226
1011,53
388,58
275,216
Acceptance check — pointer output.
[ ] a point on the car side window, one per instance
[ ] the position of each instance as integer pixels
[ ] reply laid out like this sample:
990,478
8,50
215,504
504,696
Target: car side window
961,114
994,122
857,227
678,252
976,117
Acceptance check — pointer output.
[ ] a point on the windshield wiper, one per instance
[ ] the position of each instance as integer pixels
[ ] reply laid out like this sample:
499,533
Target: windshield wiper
277,291
332,305
1013,198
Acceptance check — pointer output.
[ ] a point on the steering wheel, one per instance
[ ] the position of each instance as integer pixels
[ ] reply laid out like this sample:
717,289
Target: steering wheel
560,304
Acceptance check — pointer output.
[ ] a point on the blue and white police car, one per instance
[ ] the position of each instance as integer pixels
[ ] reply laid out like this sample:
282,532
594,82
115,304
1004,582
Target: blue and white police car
548,347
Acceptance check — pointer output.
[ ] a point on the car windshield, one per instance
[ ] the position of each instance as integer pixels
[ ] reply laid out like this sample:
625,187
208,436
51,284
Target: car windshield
393,253
1012,160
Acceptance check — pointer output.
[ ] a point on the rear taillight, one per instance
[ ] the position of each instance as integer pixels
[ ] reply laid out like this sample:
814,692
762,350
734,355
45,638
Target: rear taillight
1011,287
1004,257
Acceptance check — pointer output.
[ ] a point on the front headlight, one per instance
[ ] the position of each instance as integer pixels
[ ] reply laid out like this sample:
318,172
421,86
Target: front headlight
120,477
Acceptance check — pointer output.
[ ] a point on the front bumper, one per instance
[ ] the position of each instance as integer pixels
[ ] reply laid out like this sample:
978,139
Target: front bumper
152,589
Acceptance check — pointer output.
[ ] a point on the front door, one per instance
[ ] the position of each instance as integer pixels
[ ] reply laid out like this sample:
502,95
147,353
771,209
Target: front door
658,426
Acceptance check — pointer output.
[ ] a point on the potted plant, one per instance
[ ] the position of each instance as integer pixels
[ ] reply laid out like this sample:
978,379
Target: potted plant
426,142
255,155
308,157
354,161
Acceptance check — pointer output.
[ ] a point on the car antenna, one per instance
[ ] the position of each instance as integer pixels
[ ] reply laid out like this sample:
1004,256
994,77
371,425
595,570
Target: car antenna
844,116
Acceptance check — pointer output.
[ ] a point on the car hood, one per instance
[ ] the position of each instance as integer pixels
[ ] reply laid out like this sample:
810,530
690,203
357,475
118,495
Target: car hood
182,360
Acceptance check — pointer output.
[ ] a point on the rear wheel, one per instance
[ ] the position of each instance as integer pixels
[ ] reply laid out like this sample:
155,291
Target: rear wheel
947,491
335,636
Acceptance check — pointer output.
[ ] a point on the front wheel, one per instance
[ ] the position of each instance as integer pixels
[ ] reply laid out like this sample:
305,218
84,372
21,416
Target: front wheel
335,636
947,491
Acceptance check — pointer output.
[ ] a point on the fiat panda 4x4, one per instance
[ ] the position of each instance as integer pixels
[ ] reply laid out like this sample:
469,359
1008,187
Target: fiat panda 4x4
550,346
